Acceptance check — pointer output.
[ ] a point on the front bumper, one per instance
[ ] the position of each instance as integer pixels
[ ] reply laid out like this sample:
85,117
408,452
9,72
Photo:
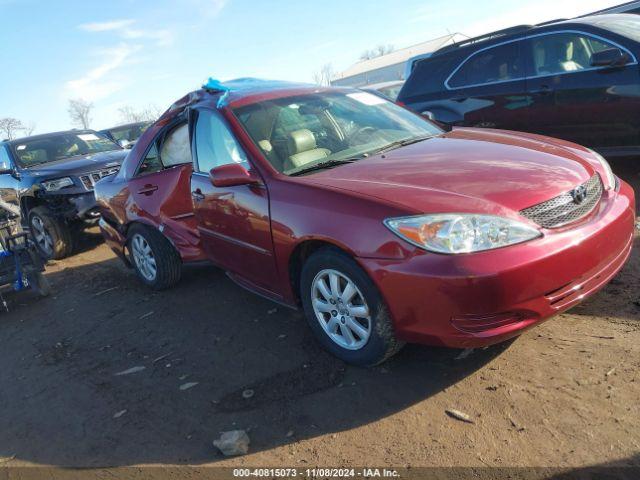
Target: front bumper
85,207
478,299
114,239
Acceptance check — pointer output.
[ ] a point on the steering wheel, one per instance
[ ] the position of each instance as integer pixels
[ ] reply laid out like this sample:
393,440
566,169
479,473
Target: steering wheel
362,131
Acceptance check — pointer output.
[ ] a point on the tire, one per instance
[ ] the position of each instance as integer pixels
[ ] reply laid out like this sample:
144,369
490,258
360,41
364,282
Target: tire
377,341
161,255
51,235
39,284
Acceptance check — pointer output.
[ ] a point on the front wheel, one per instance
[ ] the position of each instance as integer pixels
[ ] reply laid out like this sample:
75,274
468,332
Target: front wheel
39,283
51,235
153,257
345,310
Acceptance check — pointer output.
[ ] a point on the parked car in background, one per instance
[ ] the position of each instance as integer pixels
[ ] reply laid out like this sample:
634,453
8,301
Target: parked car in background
50,178
388,90
381,226
577,80
126,135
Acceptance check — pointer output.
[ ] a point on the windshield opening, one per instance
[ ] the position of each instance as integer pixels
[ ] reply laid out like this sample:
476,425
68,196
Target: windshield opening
60,146
296,133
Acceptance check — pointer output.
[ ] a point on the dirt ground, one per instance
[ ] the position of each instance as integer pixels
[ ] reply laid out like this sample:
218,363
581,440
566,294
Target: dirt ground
564,394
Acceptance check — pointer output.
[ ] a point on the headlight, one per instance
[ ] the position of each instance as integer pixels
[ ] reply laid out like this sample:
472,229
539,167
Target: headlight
611,178
57,184
460,232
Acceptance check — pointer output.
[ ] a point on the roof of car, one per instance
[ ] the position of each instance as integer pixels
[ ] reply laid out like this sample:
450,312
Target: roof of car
244,91
518,30
126,125
45,135
375,86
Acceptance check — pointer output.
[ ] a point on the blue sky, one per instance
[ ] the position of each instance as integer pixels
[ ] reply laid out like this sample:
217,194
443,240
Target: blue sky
136,52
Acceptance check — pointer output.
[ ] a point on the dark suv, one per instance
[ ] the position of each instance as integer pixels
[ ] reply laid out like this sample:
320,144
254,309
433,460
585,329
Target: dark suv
577,80
51,178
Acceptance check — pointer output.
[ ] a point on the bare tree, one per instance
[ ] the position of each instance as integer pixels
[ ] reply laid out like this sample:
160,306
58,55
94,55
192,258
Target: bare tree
9,127
28,128
324,75
128,114
79,111
379,51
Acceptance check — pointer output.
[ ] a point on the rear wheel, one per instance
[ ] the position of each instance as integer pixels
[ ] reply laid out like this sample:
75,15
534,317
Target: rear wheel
345,310
51,235
153,257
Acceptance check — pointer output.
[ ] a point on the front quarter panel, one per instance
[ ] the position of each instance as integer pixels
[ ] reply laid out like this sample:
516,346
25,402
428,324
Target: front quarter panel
302,212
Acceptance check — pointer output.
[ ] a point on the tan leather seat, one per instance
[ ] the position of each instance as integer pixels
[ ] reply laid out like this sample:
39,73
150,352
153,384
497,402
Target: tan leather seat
303,149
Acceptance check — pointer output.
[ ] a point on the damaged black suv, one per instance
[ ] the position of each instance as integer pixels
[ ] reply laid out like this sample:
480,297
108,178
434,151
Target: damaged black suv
51,178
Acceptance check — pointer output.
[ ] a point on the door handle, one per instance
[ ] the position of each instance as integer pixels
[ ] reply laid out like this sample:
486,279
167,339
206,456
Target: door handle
148,189
459,99
197,195
543,90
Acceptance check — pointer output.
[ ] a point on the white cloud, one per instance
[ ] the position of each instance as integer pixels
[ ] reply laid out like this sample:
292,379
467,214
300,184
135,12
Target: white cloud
106,26
100,82
126,30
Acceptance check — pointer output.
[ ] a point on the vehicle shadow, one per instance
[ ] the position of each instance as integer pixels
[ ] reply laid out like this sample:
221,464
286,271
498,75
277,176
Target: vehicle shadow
199,359
87,240
627,468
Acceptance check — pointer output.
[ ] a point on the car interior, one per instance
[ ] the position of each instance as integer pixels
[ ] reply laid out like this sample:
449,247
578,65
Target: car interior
299,132
564,53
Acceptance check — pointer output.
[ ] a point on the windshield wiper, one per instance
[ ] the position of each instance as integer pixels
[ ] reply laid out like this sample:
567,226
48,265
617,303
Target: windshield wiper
323,165
402,143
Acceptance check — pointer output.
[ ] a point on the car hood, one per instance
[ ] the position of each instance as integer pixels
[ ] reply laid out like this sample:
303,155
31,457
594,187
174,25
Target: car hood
466,170
79,164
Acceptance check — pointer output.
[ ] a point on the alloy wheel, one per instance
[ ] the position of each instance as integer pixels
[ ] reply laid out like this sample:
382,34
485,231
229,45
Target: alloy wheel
143,257
42,235
341,309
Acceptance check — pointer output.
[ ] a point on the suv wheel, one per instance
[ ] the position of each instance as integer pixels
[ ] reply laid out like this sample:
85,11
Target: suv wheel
51,235
345,310
153,257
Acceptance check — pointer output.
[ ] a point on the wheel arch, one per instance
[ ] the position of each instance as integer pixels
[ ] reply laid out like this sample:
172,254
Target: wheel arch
299,255
145,224
27,203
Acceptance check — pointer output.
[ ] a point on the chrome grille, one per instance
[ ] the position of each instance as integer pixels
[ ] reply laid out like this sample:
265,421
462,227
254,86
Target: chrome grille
564,209
89,180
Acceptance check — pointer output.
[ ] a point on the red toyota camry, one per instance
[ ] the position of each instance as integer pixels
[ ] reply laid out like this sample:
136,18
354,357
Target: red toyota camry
381,226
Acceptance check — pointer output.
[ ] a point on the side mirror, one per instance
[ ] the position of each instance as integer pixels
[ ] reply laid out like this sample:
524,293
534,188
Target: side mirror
429,115
231,175
611,57
5,168
432,118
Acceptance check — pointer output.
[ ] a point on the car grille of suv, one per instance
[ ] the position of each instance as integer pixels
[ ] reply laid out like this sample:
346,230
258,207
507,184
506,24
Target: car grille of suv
563,209
89,180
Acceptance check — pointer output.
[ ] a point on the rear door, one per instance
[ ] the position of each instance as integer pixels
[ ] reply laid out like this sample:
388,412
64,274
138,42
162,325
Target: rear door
593,106
160,188
489,87
234,221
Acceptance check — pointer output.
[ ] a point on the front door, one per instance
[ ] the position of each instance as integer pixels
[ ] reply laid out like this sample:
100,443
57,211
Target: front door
233,221
593,106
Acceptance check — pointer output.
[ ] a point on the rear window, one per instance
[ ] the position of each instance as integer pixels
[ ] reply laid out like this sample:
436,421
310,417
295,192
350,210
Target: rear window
428,76
495,64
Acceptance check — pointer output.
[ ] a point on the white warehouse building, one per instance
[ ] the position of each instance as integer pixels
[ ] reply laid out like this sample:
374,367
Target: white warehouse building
392,66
